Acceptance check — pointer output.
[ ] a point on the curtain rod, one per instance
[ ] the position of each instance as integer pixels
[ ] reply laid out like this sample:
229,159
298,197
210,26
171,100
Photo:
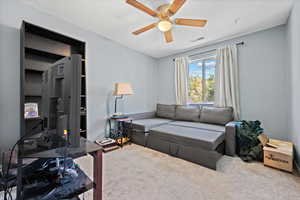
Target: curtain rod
239,43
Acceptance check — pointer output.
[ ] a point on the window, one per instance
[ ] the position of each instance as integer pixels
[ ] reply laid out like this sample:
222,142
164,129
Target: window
201,81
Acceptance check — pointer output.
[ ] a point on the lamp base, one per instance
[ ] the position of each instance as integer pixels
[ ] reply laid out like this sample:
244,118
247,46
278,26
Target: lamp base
117,114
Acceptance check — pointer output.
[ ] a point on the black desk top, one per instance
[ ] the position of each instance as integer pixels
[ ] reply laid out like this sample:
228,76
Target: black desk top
31,151
78,185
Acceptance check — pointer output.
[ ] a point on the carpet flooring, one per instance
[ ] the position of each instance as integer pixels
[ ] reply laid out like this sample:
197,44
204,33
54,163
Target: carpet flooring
138,173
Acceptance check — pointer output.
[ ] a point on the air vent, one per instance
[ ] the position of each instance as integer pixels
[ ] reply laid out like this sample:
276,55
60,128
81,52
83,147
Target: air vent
198,39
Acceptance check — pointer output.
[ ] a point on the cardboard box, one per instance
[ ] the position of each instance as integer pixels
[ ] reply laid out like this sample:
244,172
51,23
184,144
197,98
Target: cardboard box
280,157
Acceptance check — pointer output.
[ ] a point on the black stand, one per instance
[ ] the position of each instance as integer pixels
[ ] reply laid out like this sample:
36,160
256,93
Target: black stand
83,182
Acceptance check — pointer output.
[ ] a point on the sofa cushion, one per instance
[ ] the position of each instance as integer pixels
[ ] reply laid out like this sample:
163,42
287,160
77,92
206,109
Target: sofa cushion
216,115
188,136
145,124
165,111
205,126
187,113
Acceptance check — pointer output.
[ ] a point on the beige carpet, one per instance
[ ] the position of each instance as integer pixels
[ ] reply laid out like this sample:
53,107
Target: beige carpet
138,173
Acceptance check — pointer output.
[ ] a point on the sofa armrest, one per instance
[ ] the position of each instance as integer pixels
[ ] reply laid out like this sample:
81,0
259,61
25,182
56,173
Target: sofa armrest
145,115
230,139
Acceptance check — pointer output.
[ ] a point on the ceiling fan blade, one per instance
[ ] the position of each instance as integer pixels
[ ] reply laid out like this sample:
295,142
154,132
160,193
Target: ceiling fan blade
191,22
146,28
168,36
142,7
176,5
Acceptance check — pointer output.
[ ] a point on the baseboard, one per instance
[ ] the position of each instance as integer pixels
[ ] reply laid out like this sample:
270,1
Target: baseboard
297,167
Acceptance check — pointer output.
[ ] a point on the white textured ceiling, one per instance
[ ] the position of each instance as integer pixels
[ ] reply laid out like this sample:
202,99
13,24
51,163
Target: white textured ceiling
114,19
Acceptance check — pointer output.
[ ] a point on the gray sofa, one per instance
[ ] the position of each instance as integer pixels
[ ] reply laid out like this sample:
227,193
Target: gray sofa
200,134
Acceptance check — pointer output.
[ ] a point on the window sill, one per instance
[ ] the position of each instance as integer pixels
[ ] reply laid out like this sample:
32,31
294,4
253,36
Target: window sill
201,104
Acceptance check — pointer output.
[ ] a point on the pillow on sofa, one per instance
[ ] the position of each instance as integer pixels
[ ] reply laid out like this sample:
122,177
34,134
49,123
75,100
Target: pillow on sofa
165,111
216,115
188,113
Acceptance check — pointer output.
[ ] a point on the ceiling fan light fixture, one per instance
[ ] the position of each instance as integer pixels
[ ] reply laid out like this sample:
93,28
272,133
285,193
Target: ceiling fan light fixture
164,25
165,9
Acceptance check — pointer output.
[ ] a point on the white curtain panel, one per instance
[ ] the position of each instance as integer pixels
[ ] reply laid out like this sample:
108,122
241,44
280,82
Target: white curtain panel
181,82
227,79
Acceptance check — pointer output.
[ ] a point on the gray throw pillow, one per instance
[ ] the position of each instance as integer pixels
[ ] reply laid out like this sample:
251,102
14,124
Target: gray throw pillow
188,113
216,115
165,111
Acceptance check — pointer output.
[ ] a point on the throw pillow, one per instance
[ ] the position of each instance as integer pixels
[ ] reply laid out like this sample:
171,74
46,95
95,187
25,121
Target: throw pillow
216,115
188,113
165,111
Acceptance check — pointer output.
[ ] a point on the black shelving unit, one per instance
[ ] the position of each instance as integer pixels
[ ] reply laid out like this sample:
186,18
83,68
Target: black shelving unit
41,48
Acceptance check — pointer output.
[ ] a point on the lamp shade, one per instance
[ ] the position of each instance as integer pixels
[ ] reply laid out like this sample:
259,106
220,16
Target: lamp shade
123,89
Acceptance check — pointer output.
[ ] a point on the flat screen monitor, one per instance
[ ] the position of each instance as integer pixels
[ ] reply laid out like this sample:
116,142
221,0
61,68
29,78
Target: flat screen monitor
55,119
61,87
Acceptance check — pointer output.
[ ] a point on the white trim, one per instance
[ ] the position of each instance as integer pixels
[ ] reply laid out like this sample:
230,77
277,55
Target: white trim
201,104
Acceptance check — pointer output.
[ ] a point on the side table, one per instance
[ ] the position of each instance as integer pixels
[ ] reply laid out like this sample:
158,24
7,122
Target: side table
120,128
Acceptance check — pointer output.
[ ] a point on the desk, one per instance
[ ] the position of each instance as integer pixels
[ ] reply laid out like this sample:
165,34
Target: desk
86,147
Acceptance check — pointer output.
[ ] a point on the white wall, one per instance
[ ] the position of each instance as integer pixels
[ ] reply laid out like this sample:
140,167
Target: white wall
107,63
293,37
263,79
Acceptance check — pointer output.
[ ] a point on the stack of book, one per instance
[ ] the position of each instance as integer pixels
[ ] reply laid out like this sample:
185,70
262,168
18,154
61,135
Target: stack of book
108,144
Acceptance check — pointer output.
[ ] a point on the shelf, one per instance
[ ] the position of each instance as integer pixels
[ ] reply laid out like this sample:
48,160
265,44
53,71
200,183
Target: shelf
39,52
33,89
33,118
32,95
34,70
38,63
48,45
37,30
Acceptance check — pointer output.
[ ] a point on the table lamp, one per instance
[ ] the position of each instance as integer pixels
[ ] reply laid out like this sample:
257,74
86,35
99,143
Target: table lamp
121,89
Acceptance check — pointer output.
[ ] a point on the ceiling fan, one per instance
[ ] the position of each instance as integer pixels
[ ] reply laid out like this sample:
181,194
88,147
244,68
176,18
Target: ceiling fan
163,13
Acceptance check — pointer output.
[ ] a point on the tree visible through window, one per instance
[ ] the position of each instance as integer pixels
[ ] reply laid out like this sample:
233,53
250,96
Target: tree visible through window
201,80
